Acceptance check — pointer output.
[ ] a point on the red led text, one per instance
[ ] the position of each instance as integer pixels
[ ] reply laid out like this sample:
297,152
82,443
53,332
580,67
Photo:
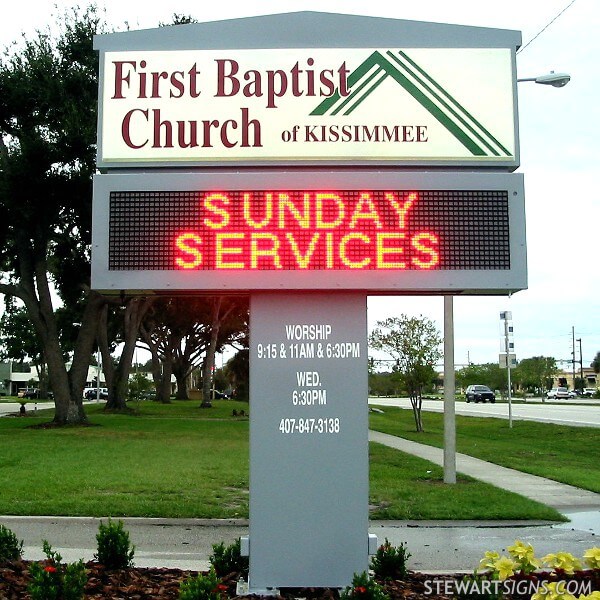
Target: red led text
306,230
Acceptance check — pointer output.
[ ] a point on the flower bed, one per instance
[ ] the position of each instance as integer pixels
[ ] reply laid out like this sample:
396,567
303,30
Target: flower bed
518,576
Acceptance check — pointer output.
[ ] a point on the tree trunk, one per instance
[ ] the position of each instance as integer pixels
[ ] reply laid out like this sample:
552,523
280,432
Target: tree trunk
209,359
416,403
134,312
84,345
40,365
156,368
34,291
164,391
102,338
182,385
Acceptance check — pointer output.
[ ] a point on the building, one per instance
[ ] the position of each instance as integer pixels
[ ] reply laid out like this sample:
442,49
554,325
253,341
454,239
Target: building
564,378
15,376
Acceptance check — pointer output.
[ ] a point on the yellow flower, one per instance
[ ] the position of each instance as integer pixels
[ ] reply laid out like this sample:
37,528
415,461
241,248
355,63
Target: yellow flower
487,562
519,549
564,561
592,558
523,554
555,590
592,596
505,567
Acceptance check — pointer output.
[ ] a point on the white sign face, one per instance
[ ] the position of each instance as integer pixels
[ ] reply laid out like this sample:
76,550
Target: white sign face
427,105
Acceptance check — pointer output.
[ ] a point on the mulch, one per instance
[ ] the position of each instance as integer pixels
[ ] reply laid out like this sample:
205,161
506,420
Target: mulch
138,583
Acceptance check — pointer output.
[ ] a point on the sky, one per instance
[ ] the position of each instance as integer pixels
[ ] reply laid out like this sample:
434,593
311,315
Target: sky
560,158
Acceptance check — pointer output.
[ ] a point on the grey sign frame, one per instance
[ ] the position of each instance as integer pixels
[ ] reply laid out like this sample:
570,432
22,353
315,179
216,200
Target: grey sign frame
432,282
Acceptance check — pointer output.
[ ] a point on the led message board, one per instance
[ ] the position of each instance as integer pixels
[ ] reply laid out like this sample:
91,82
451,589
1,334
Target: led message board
379,232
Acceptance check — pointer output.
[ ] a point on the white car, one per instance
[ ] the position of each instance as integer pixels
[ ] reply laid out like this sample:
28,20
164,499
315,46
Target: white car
558,392
588,392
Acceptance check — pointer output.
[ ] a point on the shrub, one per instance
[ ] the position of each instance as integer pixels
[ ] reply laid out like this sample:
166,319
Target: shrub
389,561
228,559
202,587
363,588
114,549
10,547
55,581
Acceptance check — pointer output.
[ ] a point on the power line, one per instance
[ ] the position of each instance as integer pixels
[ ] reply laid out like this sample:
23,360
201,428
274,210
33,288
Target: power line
546,27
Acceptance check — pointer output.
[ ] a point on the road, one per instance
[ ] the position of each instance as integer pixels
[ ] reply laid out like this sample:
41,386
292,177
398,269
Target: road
7,408
582,414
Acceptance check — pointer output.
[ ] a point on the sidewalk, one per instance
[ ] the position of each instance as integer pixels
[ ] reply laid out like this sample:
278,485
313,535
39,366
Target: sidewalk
560,496
435,546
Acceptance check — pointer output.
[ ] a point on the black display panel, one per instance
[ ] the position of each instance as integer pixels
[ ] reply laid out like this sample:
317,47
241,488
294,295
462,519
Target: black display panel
309,230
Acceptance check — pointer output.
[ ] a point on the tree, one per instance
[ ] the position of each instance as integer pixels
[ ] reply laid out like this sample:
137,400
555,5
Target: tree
237,371
537,372
595,364
228,322
139,386
183,333
489,374
48,95
414,343
20,342
385,384
129,317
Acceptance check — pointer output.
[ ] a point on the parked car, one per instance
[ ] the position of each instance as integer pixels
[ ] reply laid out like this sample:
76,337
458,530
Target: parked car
588,392
92,393
558,393
34,394
480,393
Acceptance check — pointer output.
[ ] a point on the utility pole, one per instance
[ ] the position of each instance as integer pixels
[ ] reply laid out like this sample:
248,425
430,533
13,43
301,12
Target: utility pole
580,364
573,354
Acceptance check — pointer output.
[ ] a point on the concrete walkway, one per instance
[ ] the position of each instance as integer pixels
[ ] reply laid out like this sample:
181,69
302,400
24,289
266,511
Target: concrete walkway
560,496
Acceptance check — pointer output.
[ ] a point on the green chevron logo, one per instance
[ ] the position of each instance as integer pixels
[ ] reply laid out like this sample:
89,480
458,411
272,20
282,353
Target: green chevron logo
454,117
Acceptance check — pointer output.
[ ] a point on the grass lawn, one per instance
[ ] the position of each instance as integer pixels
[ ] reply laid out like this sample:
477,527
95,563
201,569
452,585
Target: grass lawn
565,454
181,461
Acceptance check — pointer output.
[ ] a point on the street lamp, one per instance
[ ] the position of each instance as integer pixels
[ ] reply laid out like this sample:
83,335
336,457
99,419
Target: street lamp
552,78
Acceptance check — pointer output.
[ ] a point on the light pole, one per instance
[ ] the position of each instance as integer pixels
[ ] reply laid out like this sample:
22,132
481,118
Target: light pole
552,78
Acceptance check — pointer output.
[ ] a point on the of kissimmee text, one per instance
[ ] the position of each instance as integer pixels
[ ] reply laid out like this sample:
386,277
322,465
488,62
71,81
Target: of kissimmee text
308,230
